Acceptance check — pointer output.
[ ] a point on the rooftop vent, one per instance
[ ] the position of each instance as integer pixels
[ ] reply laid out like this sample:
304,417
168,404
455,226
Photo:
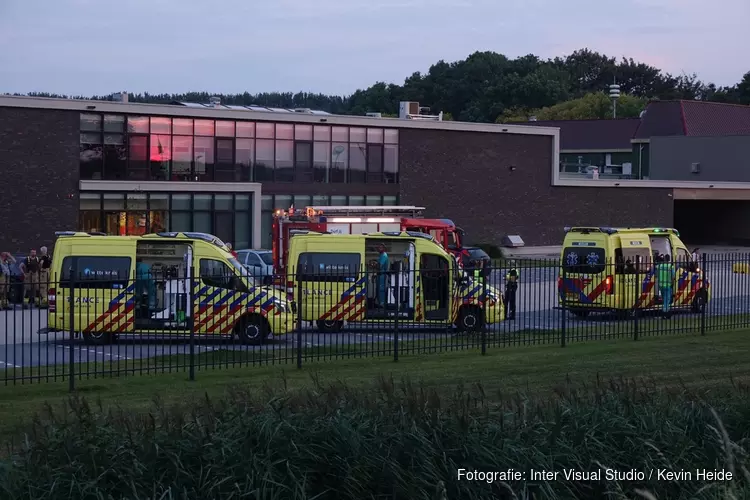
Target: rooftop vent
410,110
120,97
375,115
214,101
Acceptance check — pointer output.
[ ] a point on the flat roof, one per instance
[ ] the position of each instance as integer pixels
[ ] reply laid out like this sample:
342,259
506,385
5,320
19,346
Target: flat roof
251,115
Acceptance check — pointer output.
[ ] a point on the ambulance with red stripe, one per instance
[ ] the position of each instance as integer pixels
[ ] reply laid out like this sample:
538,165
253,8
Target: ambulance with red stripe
340,279
158,284
606,269
355,220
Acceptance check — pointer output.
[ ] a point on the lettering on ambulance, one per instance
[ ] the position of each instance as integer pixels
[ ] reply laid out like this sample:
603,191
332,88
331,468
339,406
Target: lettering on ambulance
352,303
119,316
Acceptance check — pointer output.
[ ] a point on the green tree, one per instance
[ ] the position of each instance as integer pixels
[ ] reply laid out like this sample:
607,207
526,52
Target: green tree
596,105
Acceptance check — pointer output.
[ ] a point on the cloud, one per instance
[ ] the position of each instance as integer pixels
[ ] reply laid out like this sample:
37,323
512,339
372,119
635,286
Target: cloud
337,46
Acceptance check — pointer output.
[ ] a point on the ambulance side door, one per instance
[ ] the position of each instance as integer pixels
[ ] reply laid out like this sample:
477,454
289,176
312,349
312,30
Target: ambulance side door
218,295
687,278
332,285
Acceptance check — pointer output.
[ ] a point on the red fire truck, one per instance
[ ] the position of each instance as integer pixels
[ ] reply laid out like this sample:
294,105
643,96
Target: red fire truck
356,220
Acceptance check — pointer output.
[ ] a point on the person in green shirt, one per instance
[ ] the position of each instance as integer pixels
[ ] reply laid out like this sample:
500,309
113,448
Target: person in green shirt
665,275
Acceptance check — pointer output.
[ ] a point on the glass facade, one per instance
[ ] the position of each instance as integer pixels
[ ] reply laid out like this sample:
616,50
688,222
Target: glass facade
226,215
270,203
119,147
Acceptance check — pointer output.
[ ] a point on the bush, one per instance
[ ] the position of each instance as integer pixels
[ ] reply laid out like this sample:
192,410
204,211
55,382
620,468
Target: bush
395,441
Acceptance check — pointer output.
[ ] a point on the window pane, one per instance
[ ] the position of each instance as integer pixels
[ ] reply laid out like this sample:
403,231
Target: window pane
320,200
202,202
224,169
138,157
245,129
181,202
303,162
137,201
303,132
242,202
284,166
373,201
114,123
264,130
390,163
158,220
115,156
224,129
90,201
91,122
375,135
266,231
223,202
183,126
322,133
244,158
113,201
182,158
340,134
390,201
321,161
181,221
302,201
391,136
138,124
241,230
202,222
284,131
90,220
328,267
161,125
266,202
90,156
204,127
338,201
356,201
158,201
357,135
103,272
282,201
160,152
263,165
203,154
374,163
357,162
339,162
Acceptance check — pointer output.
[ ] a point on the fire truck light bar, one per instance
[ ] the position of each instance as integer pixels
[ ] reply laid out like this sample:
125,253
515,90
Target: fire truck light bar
355,220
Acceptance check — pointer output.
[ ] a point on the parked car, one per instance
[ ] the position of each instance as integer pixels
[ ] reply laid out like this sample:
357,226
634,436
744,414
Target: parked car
471,254
259,264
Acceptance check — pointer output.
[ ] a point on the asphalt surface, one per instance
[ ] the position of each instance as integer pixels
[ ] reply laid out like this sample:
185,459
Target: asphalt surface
21,346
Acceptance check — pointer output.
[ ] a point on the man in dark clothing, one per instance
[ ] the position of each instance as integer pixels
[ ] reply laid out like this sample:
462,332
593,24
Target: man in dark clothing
511,287
30,267
45,263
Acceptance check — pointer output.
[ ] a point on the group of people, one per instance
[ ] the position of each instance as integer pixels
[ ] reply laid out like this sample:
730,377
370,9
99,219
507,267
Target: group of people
481,268
35,269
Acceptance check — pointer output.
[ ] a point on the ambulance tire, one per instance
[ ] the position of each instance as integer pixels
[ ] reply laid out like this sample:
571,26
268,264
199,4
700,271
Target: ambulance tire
97,338
330,326
252,329
470,319
699,303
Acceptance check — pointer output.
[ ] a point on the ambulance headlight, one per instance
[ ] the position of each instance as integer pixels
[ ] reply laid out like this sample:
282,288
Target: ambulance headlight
281,305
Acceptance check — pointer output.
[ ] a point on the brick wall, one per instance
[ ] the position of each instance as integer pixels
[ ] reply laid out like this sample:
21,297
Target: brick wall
466,176
39,165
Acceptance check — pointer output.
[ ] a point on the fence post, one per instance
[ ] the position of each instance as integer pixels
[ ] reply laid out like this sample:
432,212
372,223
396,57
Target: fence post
298,308
637,284
483,274
191,282
71,352
563,294
704,294
398,312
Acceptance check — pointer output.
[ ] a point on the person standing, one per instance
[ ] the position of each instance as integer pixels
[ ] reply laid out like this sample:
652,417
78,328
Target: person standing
384,264
6,260
665,275
511,287
30,268
45,263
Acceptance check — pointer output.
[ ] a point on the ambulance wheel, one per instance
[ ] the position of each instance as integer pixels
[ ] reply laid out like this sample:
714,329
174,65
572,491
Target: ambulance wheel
327,326
699,303
97,338
470,319
252,330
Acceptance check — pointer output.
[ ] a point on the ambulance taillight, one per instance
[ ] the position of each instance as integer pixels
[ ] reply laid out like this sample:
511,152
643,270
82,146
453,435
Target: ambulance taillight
609,285
51,300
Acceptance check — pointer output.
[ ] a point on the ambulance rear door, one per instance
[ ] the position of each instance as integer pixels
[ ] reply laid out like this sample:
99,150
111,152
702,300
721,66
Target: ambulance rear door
634,278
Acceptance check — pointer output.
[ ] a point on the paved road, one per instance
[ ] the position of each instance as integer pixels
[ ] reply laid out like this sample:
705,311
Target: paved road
21,346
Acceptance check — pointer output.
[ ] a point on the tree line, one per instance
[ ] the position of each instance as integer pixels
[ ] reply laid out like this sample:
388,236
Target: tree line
490,87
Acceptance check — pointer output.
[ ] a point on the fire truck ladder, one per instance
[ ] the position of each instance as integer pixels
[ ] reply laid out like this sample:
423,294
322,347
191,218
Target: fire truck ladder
389,210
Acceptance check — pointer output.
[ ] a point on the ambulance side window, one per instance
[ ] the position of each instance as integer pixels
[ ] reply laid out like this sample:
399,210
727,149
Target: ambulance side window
217,274
96,272
683,259
328,267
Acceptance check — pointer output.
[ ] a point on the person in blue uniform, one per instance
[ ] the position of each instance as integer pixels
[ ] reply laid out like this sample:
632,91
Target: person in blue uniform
384,264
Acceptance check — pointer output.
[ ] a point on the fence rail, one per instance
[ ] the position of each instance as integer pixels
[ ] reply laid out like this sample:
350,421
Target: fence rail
93,323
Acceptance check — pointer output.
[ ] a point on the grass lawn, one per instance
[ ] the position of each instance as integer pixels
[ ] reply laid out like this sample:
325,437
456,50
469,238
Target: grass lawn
533,370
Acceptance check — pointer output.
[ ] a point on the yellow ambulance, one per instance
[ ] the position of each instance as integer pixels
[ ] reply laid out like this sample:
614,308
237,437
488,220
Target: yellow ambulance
347,278
606,269
147,284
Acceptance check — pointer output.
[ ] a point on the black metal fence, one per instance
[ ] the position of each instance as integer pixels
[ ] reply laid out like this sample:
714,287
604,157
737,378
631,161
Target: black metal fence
99,323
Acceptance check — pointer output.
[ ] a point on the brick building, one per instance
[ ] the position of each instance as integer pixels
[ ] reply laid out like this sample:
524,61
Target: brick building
126,168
